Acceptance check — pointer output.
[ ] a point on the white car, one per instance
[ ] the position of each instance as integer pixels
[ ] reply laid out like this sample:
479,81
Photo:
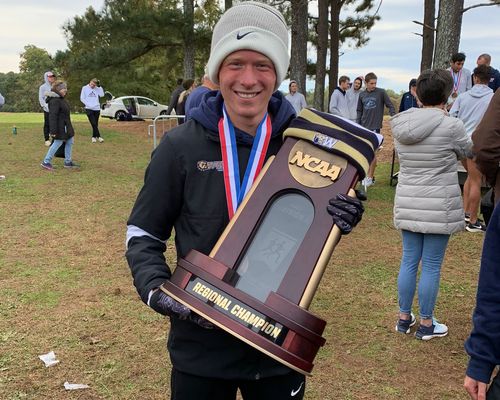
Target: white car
127,108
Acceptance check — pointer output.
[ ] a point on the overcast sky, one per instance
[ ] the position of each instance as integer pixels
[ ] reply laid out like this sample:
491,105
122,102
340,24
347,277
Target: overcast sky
393,51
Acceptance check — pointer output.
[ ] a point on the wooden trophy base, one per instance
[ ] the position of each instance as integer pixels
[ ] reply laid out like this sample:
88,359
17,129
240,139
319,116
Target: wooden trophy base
278,328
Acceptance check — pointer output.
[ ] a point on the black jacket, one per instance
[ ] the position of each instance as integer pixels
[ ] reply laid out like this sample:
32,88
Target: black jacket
174,98
59,117
184,189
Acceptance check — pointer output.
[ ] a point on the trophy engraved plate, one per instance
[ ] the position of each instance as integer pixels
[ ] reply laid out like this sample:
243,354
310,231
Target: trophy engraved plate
261,276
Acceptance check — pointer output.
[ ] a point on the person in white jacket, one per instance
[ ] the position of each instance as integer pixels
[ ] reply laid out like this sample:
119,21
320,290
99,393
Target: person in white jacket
470,108
89,96
338,100
296,99
49,78
461,77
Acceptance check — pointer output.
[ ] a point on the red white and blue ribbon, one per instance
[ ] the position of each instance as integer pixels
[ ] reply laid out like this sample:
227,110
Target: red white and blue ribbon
457,76
236,191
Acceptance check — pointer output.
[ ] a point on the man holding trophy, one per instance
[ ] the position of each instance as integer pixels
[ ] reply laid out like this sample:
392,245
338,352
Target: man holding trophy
197,178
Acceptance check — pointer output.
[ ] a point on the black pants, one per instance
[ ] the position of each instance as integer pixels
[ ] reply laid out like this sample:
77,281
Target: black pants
494,390
93,117
46,126
189,387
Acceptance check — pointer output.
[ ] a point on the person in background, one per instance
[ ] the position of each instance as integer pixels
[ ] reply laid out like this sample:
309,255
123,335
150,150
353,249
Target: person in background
339,104
60,126
353,97
483,344
184,190
296,99
174,98
494,83
460,75
486,150
194,99
89,96
470,108
189,85
48,77
371,115
428,202
409,99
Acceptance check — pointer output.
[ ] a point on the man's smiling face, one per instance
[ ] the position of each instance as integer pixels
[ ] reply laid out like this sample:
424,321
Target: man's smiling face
247,80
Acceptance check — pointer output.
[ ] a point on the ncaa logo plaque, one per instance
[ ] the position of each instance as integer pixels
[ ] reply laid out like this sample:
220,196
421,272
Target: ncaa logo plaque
260,278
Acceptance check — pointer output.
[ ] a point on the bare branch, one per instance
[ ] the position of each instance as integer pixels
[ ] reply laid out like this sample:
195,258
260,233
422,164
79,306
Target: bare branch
425,25
493,3
418,34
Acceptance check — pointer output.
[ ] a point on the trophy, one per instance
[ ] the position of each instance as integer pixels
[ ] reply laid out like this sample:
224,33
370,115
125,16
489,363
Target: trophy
260,278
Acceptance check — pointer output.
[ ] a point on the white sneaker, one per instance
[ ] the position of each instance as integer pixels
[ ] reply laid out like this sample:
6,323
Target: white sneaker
430,332
94,140
100,139
47,143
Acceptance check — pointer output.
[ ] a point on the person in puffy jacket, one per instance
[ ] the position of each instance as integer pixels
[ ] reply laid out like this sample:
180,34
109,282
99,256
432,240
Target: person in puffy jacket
428,202
60,125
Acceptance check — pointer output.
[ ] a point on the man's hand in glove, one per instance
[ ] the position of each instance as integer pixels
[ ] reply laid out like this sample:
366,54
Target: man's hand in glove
168,306
346,212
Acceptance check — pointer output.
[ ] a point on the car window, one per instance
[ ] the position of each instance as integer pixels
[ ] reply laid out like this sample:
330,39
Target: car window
144,102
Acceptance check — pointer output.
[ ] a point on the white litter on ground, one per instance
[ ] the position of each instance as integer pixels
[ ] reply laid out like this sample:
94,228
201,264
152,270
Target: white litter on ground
75,386
49,359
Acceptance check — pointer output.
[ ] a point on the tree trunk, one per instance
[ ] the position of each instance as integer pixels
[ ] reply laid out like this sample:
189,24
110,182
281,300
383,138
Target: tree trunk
428,35
449,26
228,4
188,39
336,6
298,59
319,88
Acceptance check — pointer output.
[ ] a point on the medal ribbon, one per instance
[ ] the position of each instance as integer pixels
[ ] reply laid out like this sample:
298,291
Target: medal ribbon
235,192
456,80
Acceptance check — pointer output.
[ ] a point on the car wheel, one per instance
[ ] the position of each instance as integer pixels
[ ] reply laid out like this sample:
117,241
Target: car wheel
121,115
164,112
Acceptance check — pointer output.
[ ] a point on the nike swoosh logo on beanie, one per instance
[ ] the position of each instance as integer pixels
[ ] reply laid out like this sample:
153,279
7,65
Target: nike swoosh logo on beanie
238,36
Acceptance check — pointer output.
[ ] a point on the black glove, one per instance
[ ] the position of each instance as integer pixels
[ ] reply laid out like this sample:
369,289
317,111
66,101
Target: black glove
346,212
173,308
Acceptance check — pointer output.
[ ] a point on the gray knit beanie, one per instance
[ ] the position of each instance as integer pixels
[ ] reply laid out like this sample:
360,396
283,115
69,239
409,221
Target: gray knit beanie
59,85
250,25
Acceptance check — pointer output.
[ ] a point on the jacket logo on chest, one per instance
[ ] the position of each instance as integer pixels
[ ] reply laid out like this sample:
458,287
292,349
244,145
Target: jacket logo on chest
203,165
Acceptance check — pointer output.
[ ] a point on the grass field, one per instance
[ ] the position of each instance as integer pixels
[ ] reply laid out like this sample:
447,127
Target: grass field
65,285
